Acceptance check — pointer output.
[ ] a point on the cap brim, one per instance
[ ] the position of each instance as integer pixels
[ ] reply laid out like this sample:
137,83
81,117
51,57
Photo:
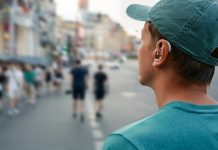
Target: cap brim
138,12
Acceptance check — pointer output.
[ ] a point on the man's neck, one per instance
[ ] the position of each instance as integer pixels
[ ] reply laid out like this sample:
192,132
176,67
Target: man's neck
169,91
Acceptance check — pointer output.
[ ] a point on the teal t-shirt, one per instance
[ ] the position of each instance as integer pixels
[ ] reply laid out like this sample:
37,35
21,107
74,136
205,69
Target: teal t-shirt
29,76
177,126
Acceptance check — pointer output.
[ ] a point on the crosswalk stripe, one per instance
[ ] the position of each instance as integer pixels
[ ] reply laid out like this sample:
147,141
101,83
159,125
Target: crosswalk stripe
96,132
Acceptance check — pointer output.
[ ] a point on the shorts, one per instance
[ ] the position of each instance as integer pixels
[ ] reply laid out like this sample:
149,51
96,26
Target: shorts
37,84
48,79
29,88
57,82
14,93
78,93
99,95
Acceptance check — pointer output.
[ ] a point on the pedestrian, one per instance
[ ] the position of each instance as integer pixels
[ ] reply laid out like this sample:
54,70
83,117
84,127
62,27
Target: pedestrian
58,79
3,81
100,89
20,80
48,79
38,80
30,76
1,90
79,82
13,90
177,59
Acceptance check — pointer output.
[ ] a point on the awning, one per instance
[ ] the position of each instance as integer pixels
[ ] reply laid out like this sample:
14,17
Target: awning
25,59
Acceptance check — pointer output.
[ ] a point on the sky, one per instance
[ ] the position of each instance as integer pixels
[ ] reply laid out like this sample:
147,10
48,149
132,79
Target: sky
68,10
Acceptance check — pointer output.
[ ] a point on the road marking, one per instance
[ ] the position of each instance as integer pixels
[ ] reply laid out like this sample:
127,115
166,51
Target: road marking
94,124
96,132
128,94
99,145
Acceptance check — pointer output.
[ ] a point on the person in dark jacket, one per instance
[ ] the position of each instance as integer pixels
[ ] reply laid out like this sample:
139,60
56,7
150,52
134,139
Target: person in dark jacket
100,89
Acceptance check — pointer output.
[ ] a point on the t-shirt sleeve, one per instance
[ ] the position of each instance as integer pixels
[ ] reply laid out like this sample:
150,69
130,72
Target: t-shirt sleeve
118,142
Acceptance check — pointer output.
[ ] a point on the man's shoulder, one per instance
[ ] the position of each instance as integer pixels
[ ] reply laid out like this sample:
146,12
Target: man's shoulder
149,124
170,128
73,70
138,134
118,142
150,132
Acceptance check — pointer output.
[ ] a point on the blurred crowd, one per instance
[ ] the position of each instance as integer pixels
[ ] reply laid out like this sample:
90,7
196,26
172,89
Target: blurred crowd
25,83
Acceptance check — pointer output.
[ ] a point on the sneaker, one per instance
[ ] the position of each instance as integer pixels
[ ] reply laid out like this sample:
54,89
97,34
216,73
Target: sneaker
16,111
82,118
11,113
74,115
1,111
98,115
32,103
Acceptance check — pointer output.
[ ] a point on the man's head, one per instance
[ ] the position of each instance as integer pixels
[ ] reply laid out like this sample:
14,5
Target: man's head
100,67
180,34
78,62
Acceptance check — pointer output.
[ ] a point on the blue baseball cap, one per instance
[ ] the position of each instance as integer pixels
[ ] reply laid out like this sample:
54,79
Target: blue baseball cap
190,25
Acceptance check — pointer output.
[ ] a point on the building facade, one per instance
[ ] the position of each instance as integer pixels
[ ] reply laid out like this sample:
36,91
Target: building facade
27,28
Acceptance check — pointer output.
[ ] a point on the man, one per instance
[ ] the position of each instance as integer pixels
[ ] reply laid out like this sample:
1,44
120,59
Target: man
39,76
29,77
13,75
58,79
3,82
100,83
79,84
177,59
48,79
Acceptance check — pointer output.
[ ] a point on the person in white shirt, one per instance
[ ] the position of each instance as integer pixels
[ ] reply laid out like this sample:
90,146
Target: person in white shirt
14,82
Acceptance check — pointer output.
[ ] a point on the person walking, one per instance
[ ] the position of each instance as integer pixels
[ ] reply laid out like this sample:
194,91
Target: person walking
48,79
3,82
13,89
58,79
38,81
79,82
100,89
177,59
29,77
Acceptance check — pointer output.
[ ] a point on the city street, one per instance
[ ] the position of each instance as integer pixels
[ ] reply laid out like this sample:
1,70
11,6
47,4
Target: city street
50,125
40,40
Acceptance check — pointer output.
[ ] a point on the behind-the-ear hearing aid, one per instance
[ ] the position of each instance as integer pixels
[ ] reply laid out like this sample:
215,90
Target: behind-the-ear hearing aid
169,46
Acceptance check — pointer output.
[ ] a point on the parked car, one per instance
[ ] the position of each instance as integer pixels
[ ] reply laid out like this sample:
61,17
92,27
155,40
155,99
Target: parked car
113,64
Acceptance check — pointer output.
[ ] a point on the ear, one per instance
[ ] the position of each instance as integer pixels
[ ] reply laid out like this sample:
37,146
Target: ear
161,52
